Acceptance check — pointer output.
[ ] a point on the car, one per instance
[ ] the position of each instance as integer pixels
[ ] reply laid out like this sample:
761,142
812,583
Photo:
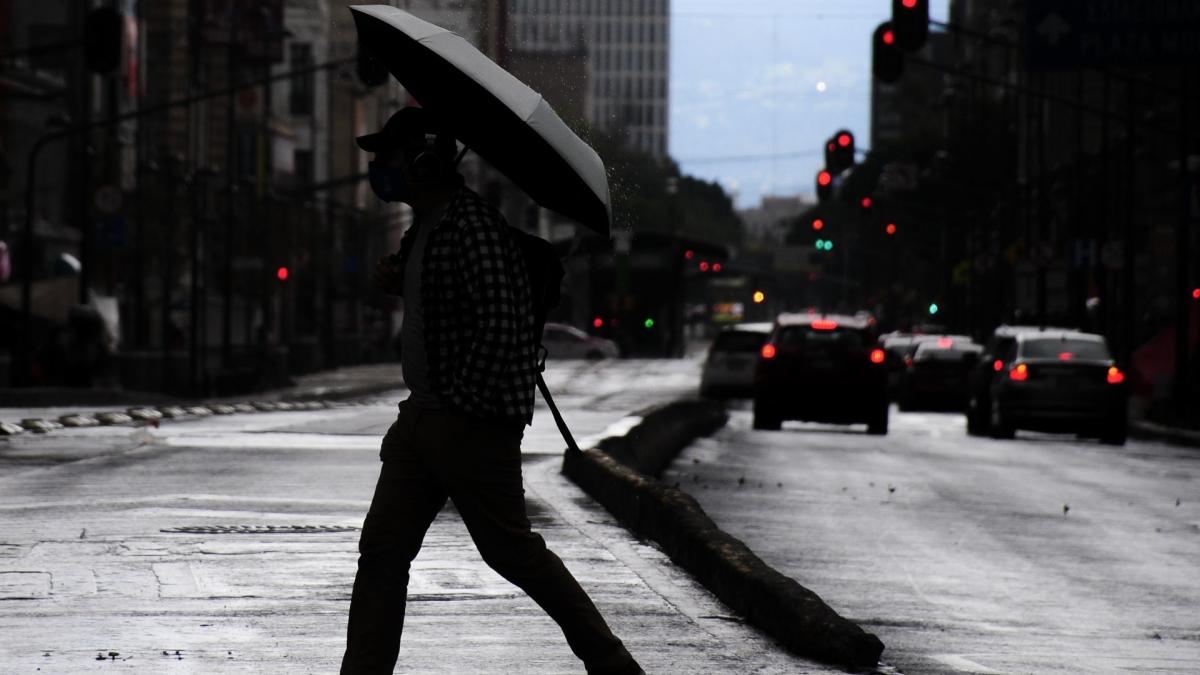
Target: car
935,374
821,368
979,382
1059,381
900,348
563,341
728,369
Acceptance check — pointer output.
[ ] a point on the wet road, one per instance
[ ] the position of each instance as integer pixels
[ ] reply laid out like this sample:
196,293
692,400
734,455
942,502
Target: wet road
1039,555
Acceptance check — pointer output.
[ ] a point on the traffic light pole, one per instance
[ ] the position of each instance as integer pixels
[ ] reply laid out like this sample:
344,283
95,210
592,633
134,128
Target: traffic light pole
27,254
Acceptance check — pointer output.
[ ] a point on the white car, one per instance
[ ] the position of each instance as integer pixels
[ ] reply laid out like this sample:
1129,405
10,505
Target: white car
568,342
732,358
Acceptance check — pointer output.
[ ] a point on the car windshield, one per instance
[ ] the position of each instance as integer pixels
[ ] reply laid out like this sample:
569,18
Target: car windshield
1049,348
808,337
739,341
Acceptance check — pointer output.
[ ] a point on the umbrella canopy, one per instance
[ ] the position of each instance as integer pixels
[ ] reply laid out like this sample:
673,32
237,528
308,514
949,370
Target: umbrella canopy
493,113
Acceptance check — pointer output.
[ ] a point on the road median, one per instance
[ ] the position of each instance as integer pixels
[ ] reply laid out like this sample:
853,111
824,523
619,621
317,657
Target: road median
620,473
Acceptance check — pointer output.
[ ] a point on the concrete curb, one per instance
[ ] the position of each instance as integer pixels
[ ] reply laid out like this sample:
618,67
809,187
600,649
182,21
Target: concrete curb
791,614
1158,432
276,401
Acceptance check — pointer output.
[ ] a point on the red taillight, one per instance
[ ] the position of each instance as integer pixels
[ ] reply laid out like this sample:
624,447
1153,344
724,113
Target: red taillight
768,351
945,343
877,356
824,324
1065,356
997,365
1115,376
1019,373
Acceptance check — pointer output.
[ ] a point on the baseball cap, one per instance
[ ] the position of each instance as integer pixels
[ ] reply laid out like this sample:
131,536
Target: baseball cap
407,126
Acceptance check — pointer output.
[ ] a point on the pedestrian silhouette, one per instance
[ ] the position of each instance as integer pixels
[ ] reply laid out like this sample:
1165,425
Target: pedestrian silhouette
469,358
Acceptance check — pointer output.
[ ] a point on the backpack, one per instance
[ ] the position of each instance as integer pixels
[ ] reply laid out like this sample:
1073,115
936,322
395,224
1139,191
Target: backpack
546,273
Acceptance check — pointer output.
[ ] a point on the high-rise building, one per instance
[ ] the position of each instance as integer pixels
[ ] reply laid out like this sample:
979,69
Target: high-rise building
626,43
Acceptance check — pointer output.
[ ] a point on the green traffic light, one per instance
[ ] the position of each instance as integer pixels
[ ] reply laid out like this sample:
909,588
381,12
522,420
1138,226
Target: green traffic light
933,308
649,323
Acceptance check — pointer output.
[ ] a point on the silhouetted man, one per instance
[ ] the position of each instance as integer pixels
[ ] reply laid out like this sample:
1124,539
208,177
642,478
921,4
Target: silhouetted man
470,362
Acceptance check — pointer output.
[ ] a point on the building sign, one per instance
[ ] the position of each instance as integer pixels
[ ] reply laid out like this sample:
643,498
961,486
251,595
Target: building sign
1072,33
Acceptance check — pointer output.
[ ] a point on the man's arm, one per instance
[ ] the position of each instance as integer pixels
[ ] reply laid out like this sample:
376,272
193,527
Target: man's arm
389,269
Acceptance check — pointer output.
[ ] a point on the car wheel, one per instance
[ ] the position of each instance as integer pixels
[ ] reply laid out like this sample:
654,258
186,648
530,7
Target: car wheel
879,425
764,419
1000,426
976,418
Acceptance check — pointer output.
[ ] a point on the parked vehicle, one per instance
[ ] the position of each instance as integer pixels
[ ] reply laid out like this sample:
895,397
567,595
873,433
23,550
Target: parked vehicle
821,368
979,403
936,373
568,342
1059,381
729,367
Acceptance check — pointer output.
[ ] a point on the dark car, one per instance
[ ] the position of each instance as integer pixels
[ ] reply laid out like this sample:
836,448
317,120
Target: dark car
1059,381
936,373
729,367
821,368
979,401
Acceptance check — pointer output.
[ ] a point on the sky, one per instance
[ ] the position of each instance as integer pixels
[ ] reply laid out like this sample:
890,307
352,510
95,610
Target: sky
758,85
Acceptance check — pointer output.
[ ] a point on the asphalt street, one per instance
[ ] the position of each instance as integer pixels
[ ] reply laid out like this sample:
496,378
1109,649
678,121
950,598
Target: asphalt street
228,544
1043,554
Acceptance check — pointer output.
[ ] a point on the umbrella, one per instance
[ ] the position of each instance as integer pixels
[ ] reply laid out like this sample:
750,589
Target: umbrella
493,113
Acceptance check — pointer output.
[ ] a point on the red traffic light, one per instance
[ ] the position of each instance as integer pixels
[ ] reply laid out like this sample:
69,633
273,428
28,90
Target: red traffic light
1196,293
818,224
908,4
844,140
824,178
689,254
704,266
281,273
889,38
716,267
598,322
890,229
866,202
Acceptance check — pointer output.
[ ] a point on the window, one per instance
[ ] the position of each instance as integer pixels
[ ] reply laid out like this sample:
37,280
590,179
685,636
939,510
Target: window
301,94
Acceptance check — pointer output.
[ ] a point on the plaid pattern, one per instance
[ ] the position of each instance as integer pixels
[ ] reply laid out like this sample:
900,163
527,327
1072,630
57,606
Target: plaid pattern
479,332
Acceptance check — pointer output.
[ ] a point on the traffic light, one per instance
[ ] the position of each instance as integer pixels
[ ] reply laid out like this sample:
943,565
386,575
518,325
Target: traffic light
865,202
648,323
933,308
102,29
890,229
758,297
824,185
887,62
281,274
818,224
911,21
843,152
824,244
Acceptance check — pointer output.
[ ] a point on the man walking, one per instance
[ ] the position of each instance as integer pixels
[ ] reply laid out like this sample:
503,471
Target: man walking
470,362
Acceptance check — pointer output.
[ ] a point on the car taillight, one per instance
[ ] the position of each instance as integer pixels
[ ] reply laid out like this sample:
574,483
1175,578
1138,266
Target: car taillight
1019,373
1115,376
824,324
997,365
877,356
768,351
945,343
1066,356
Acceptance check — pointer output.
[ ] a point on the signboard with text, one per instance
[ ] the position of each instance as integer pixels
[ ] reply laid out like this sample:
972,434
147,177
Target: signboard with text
1074,33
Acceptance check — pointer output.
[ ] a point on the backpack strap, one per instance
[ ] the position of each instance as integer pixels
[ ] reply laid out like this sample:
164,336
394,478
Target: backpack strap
558,418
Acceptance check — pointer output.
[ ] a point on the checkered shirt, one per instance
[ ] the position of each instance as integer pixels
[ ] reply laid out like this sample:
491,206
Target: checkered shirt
475,296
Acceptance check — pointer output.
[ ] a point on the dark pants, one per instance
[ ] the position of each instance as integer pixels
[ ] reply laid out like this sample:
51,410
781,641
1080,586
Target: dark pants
429,455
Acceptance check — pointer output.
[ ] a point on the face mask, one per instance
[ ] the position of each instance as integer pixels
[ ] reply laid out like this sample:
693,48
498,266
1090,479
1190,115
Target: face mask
387,182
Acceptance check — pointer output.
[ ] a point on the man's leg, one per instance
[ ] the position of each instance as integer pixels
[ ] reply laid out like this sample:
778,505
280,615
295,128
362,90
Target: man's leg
407,499
480,465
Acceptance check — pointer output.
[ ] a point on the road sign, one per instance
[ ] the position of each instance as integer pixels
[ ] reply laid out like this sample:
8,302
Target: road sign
1111,33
